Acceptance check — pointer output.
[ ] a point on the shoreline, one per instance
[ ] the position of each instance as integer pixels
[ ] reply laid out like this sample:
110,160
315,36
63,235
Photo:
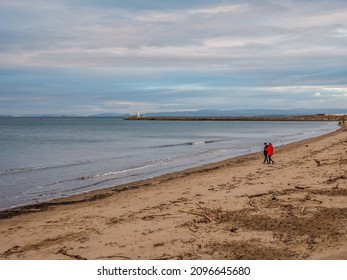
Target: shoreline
98,193
198,213
43,203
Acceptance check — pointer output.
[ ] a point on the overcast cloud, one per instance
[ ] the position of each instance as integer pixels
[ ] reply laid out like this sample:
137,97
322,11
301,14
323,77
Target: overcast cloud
87,57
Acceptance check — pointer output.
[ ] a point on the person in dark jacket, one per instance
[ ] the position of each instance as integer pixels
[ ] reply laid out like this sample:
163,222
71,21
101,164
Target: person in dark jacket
266,159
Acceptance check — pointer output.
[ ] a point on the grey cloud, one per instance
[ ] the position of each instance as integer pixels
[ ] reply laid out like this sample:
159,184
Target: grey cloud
171,53
143,4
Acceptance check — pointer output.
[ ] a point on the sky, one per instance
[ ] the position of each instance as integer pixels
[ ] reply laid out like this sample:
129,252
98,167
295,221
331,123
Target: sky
88,57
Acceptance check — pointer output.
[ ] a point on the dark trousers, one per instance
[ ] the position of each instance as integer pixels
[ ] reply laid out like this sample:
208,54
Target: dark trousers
266,158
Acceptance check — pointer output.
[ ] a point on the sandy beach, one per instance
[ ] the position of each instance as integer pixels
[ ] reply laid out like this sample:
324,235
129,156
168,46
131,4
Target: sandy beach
235,209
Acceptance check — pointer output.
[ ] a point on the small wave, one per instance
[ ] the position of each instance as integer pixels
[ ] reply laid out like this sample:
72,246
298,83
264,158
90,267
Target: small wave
129,170
197,143
190,143
95,176
43,167
23,169
52,166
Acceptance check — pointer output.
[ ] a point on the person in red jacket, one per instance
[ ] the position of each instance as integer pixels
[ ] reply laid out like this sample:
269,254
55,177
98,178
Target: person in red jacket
270,152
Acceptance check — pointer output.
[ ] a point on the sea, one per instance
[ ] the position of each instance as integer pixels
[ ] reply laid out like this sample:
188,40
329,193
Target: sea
46,158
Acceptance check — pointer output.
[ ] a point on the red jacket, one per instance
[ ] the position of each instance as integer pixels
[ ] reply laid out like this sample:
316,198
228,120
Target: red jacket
270,150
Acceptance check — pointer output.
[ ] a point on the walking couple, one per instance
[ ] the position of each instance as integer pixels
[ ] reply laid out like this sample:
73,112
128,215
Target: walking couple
268,152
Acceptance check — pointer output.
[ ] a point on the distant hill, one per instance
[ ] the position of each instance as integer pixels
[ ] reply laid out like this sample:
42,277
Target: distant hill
248,112
108,115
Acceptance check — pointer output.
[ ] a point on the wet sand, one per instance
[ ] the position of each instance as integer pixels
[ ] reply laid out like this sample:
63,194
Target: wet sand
235,209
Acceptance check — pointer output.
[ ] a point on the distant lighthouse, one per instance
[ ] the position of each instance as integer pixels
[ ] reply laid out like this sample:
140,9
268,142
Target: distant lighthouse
138,114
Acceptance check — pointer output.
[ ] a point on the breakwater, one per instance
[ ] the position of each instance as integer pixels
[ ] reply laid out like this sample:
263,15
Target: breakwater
239,118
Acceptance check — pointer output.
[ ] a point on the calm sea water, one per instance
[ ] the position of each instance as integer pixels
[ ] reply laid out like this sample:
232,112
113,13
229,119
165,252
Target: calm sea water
45,158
